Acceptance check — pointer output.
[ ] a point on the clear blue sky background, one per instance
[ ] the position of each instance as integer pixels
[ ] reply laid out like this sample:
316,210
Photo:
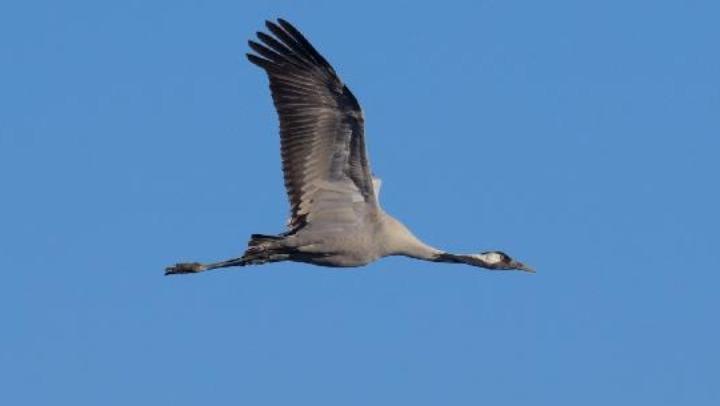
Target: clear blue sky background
581,137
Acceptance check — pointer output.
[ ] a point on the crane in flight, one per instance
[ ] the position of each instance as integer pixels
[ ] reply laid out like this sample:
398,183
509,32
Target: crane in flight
335,216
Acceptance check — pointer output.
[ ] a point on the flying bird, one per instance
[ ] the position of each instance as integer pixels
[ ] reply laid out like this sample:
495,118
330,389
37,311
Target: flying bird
335,216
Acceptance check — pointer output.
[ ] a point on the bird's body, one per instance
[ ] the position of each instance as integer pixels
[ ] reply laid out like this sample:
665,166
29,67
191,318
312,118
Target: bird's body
354,245
335,216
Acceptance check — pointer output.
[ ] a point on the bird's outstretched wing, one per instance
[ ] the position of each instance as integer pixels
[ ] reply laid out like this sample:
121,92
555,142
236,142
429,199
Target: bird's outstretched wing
327,175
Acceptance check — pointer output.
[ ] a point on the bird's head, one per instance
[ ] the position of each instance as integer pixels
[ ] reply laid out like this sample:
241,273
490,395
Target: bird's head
496,260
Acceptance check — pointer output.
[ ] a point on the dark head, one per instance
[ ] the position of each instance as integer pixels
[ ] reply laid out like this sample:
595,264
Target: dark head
491,260
499,260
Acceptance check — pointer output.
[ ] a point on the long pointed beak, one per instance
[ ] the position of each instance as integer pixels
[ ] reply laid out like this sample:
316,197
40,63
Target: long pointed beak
522,267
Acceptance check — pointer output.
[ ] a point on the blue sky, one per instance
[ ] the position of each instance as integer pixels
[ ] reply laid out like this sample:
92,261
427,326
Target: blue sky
580,137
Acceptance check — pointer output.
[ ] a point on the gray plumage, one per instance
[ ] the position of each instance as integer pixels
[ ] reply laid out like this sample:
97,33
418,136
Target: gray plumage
335,216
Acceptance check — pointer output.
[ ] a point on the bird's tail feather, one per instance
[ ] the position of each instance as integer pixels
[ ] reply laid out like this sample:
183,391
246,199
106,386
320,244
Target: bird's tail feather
260,239
264,248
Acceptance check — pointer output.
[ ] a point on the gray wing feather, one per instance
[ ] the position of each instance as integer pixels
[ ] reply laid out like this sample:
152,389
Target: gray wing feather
327,175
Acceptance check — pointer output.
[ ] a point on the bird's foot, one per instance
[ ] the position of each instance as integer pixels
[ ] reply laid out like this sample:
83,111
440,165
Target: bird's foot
188,267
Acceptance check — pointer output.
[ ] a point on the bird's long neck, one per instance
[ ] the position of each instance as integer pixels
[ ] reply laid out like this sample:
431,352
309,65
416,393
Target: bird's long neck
411,246
400,241
419,250
468,259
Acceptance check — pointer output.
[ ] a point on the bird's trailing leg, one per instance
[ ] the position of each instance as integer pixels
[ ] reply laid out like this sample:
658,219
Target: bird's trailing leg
261,249
196,267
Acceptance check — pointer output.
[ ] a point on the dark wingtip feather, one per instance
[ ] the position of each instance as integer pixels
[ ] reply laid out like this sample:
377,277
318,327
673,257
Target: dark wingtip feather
274,44
285,45
261,62
284,23
270,25
266,53
255,46
304,43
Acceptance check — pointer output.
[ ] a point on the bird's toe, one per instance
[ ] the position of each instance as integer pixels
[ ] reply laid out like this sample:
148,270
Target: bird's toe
192,267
